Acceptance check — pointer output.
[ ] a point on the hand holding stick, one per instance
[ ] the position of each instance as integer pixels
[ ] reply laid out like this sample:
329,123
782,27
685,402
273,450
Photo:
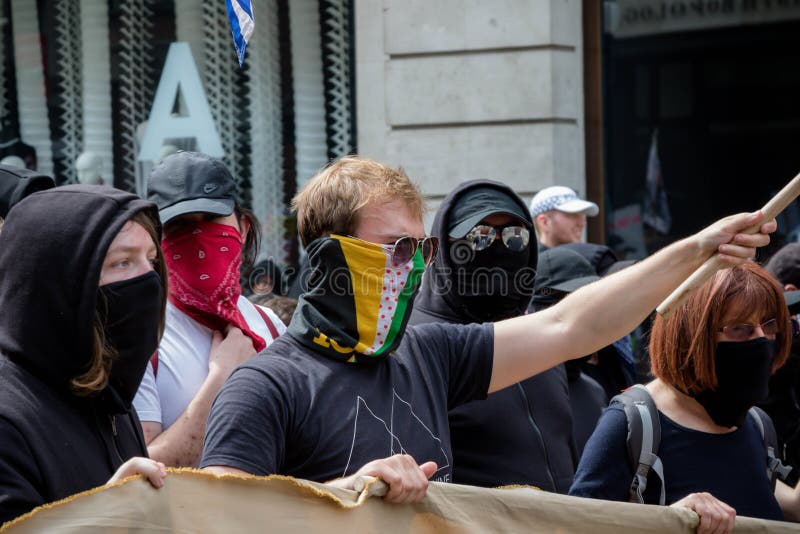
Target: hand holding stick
771,209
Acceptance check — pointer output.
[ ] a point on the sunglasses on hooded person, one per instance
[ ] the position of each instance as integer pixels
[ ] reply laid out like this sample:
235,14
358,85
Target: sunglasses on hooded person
514,237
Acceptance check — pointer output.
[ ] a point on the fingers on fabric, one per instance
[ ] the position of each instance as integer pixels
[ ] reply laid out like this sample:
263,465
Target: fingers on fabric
234,349
429,468
154,471
716,517
407,481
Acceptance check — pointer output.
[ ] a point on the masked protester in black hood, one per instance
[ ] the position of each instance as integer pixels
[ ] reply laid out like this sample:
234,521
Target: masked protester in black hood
484,271
74,342
783,403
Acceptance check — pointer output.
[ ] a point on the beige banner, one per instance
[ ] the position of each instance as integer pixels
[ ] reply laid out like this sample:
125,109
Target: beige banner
191,501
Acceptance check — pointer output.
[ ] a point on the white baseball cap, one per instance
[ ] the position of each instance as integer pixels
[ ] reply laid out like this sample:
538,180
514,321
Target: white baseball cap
561,198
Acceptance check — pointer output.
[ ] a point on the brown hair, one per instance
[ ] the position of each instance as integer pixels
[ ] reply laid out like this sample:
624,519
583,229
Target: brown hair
682,346
330,202
253,240
95,379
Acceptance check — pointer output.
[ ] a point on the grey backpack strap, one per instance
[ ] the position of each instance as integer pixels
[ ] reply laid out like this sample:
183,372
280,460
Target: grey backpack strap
643,440
775,468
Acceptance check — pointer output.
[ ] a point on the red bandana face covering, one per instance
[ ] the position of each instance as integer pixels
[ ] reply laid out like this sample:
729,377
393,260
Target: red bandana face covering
203,262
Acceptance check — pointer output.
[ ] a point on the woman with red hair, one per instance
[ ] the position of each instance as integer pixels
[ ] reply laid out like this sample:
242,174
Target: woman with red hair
712,359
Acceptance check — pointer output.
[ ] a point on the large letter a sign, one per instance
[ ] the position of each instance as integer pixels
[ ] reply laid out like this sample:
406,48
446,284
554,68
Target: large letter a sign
180,76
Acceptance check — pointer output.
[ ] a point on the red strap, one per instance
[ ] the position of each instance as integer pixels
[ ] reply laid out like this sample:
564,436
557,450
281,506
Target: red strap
154,363
270,326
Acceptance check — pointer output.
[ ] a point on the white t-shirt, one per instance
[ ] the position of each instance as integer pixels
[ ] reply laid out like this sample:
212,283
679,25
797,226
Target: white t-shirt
183,362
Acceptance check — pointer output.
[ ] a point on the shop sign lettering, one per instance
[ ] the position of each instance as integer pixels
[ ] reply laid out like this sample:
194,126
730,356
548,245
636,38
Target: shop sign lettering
180,78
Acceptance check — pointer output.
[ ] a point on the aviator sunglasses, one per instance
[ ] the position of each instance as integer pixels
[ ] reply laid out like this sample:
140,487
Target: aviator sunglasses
405,247
515,238
744,331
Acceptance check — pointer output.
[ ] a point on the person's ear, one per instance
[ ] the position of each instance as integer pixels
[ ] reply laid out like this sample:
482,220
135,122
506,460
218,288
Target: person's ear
790,287
244,227
542,220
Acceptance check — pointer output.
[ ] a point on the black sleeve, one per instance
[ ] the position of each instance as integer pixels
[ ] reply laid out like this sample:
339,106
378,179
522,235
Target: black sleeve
604,471
463,355
19,474
246,426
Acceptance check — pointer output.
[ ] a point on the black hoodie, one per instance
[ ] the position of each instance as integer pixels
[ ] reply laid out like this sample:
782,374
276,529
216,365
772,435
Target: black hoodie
523,433
52,443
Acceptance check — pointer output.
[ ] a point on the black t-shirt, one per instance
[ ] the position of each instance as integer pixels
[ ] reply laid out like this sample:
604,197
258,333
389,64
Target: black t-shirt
294,412
731,467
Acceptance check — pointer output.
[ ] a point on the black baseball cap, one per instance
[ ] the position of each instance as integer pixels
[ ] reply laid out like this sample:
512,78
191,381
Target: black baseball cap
191,182
17,183
564,270
475,204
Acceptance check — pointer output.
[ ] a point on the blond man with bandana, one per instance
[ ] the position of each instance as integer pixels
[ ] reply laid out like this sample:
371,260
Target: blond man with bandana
351,391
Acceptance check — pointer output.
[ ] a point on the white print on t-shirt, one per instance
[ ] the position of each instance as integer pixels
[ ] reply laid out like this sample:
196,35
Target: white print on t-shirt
395,444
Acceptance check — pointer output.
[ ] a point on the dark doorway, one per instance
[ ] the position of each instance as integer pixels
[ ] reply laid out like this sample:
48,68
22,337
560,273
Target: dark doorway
726,103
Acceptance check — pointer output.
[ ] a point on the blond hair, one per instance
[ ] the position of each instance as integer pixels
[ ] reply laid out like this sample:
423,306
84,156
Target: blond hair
332,199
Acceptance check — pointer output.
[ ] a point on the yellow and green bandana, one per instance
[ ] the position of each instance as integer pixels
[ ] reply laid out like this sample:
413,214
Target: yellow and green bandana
358,302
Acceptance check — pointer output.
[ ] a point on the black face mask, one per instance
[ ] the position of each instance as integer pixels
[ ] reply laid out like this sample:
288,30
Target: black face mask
130,311
495,284
743,371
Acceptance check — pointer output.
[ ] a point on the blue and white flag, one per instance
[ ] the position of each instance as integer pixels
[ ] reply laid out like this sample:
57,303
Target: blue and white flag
240,13
656,209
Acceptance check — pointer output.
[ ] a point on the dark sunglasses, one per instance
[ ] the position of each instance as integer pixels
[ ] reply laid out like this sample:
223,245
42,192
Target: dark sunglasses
405,247
744,331
515,238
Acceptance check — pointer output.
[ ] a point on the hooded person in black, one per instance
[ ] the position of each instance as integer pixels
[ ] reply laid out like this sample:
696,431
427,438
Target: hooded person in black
16,184
82,303
521,434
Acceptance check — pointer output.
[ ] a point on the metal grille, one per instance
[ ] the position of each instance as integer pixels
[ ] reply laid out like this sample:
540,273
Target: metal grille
96,73
310,141
136,83
34,124
266,129
226,88
67,95
336,37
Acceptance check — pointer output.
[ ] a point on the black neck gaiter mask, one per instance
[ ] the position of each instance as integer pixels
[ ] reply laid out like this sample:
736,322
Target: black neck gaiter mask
496,284
130,311
743,371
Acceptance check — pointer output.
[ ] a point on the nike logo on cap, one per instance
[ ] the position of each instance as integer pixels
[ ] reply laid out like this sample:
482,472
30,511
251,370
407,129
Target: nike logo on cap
209,188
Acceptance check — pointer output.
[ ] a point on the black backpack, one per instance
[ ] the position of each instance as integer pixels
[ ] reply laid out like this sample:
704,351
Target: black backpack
644,438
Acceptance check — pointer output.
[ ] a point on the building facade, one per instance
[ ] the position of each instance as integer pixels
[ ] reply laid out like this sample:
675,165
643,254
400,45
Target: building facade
529,92
82,76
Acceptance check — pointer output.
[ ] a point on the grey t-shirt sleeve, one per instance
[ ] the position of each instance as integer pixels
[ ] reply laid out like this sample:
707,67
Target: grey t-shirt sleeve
246,425
462,354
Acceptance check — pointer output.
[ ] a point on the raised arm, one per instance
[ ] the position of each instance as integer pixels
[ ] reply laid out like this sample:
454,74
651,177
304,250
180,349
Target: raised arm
602,312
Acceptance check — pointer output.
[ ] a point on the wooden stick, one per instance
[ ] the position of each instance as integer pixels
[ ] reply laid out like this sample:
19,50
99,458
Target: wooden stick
771,210
375,487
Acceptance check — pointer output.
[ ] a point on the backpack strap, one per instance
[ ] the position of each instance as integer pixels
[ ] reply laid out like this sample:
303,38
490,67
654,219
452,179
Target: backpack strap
775,467
643,440
270,325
